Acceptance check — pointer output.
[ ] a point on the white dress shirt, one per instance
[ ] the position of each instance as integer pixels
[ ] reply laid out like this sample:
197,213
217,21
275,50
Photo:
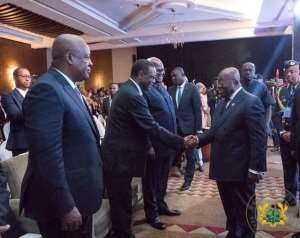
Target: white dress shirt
22,92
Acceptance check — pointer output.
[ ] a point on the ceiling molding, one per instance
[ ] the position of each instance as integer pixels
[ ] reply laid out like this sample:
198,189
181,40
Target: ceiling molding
139,18
62,13
207,37
21,18
195,27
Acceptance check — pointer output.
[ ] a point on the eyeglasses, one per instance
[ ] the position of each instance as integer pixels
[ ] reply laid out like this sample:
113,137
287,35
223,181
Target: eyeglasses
25,76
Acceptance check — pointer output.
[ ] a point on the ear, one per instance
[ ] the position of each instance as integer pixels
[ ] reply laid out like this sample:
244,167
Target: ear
140,74
69,58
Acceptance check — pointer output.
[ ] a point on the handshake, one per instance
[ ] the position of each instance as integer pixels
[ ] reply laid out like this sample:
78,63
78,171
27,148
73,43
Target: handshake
190,142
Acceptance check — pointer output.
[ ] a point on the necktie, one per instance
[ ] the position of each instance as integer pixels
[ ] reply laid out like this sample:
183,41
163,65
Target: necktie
179,94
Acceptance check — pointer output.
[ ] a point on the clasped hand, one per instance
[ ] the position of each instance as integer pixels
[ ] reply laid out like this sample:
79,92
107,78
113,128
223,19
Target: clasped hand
190,142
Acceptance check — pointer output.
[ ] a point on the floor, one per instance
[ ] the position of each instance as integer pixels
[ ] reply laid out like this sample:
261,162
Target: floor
202,211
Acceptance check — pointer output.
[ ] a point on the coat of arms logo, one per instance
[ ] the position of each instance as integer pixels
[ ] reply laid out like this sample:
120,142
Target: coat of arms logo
272,214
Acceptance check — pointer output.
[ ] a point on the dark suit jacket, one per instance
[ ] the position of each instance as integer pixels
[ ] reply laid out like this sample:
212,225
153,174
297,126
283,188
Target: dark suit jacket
163,111
12,104
4,197
106,106
238,138
188,113
295,124
64,167
126,138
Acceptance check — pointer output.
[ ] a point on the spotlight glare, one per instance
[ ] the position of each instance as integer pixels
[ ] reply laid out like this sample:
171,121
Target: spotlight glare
297,9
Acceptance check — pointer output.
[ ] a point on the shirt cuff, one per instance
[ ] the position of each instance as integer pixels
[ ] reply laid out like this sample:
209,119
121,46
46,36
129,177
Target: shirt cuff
282,132
255,172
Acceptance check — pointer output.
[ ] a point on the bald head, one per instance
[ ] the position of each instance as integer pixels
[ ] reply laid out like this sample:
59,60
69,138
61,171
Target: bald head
248,71
232,73
160,70
71,55
228,81
64,44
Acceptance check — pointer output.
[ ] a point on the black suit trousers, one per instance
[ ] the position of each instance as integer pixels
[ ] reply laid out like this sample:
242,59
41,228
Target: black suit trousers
155,183
120,201
238,199
289,164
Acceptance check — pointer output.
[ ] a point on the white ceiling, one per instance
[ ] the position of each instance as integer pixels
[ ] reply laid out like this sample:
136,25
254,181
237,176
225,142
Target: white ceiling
110,24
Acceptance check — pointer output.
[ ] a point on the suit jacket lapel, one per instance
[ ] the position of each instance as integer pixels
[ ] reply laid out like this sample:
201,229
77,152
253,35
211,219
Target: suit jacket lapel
18,98
173,95
184,94
83,107
76,99
229,110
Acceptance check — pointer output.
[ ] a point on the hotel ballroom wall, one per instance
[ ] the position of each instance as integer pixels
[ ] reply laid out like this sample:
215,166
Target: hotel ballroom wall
14,54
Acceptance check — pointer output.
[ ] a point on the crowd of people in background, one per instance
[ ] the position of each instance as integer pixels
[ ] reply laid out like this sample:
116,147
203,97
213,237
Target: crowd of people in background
147,125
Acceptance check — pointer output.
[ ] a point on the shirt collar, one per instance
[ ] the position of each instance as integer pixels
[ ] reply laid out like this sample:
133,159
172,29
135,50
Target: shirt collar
235,93
72,84
137,86
22,91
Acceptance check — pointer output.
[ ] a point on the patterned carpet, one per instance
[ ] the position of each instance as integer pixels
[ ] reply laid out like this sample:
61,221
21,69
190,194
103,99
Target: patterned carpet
202,186
202,211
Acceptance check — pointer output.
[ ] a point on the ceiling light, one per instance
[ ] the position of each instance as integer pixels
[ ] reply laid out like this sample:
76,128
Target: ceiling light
297,8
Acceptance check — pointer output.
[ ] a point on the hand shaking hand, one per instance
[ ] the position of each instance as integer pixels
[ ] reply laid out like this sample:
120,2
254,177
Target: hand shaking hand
190,142
4,228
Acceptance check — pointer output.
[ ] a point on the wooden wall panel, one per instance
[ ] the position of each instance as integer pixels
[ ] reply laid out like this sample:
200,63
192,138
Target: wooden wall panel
14,54
101,75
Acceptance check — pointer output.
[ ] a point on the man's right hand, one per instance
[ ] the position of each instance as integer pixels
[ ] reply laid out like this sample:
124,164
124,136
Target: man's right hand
286,136
4,228
190,142
72,220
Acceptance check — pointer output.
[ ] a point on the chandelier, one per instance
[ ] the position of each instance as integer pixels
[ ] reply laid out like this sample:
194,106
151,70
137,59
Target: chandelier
176,37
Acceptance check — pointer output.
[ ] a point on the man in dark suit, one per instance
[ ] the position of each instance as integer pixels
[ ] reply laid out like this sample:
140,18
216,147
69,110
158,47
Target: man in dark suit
113,89
294,136
286,99
63,183
251,85
12,105
156,174
126,144
238,152
187,102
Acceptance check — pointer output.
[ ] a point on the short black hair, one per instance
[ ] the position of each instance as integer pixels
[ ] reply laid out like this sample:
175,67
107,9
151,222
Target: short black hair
16,71
141,65
180,69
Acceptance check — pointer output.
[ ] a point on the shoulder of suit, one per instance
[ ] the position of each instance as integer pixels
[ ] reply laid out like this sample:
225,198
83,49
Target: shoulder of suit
251,98
191,85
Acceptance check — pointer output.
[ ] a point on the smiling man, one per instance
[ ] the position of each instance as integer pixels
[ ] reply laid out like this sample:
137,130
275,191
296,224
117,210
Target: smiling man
63,184
126,145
